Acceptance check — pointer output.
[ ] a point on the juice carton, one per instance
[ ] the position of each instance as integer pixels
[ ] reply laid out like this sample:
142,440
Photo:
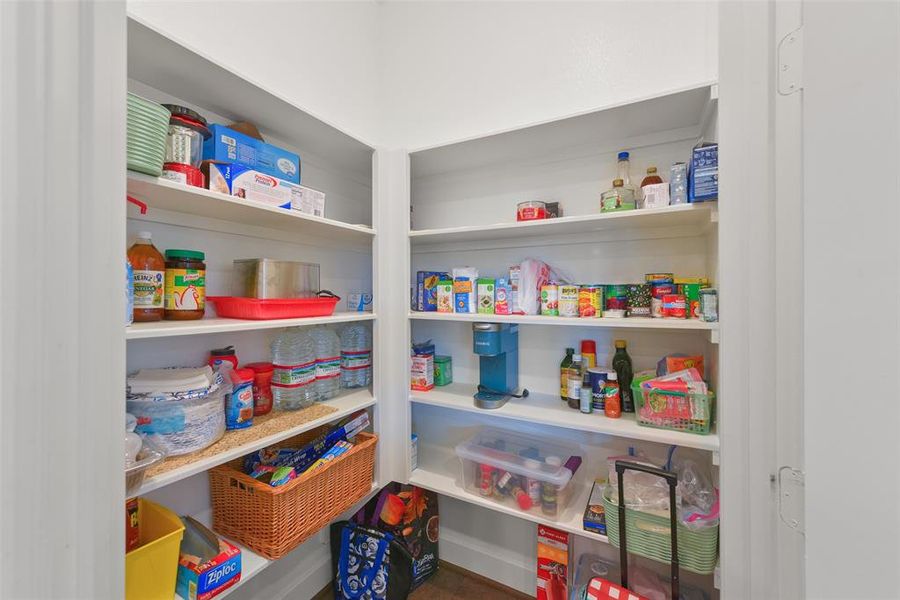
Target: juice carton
485,293
503,298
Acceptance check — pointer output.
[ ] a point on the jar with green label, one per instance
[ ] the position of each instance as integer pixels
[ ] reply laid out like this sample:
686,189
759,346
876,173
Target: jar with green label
443,370
185,285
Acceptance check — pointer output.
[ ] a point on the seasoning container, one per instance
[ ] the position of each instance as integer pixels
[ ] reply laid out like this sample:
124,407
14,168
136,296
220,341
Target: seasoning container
185,285
532,485
443,370
219,355
262,387
550,300
568,300
598,382
485,480
532,210
149,268
709,305
549,504
184,146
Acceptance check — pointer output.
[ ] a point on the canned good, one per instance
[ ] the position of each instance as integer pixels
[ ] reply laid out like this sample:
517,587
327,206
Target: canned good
674,306
568,300
690,287
652,278
709,305
616,300
639,300
597,378
550,300
657,291
590,301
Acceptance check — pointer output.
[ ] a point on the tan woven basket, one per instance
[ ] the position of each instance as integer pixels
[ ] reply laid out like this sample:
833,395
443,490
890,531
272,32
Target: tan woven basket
272,521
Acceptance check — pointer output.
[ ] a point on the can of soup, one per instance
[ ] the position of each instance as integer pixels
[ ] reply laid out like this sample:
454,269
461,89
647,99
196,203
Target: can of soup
550,300
657,291
568,300
590,301
674,306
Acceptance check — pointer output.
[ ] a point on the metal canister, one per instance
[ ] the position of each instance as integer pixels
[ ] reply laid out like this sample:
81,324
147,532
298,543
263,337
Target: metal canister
657,291
550,300
597,378
590,301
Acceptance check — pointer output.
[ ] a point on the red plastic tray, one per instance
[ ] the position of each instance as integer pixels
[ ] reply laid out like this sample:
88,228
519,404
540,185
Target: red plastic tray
233,307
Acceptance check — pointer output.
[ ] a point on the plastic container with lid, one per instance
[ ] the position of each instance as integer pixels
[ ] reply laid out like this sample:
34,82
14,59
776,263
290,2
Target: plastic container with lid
262,387
531,210
520,463
185,285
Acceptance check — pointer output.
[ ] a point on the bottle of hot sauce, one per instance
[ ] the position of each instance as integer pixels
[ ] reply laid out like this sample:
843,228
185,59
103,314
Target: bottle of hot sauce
149,277
612,406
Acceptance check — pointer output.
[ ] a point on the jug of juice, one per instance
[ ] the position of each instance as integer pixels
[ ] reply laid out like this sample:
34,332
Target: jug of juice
149,276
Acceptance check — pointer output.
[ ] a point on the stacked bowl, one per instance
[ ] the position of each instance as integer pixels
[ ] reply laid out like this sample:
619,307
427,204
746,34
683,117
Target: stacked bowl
148,126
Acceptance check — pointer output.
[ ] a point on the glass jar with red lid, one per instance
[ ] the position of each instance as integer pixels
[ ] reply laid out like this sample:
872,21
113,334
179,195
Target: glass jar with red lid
184,146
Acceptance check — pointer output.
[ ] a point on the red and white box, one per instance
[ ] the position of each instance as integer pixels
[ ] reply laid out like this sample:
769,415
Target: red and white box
552,564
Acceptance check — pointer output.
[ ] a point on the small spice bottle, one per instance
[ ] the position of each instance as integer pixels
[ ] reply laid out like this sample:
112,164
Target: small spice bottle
185,285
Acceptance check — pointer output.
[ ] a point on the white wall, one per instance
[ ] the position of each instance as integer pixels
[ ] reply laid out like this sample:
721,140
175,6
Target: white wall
460,69
318,55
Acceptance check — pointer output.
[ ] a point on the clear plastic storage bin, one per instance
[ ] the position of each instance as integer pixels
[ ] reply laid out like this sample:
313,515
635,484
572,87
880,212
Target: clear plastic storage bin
526,473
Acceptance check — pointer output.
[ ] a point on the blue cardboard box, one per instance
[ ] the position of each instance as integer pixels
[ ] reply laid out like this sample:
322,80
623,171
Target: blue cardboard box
426,289
703,178
227,145
207,580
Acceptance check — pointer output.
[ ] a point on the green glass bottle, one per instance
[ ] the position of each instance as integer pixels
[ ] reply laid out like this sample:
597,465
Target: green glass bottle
564,374
621,362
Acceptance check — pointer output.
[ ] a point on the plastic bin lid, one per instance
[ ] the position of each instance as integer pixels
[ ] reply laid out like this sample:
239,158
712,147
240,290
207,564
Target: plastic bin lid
519,454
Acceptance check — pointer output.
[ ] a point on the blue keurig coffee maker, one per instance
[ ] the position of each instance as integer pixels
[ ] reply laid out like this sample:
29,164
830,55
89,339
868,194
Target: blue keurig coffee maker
497,346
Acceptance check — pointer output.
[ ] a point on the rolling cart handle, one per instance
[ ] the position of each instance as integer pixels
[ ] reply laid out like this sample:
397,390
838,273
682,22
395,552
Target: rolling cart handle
672,479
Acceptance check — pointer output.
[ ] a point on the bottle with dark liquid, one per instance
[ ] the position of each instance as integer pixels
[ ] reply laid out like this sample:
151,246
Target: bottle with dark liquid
621,363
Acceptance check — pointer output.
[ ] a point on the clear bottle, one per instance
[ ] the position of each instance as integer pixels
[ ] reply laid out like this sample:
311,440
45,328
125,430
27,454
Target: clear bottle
356,356
678,184
623,170
294,372
328,362
617,198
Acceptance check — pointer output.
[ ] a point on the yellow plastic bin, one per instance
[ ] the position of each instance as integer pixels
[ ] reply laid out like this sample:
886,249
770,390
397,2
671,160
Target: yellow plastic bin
151,568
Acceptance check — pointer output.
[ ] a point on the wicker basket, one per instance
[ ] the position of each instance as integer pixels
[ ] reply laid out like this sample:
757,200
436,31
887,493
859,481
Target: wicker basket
272,521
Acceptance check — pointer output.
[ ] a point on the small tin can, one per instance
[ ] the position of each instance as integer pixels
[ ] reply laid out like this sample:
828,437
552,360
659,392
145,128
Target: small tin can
443,370
597,378
709,305
590,301
639,300
674,306
657,291
550,300
568,300
653,278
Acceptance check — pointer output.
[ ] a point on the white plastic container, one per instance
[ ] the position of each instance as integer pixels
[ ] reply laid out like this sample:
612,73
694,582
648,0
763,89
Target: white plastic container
507,468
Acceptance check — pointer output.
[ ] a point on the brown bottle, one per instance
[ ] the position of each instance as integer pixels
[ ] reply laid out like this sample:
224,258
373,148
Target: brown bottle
149,277
651,177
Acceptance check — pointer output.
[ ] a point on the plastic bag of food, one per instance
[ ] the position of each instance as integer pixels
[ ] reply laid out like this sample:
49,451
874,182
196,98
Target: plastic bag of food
533,274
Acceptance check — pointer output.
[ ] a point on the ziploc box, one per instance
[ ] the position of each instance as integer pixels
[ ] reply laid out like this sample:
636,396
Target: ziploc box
426,289
244,182
208,580
227,145
703,179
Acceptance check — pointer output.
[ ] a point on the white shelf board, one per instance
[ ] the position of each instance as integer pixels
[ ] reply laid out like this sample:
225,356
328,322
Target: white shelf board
162,194
161,62
347,403
158,329
550,410
675,115
571,520
626,323
251,562
699,216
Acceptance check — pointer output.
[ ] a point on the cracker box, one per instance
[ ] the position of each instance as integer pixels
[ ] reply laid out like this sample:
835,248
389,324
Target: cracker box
485,296
426,289
231,146
594,514
421,372
445,296
552,563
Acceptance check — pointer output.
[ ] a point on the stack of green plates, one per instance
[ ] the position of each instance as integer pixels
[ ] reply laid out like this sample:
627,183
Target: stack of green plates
148,125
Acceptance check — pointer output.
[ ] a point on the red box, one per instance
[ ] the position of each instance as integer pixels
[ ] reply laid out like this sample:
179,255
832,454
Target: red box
552,563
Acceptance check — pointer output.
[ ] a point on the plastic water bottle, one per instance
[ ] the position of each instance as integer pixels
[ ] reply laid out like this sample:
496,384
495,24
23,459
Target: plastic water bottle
294,373
356,356
328,362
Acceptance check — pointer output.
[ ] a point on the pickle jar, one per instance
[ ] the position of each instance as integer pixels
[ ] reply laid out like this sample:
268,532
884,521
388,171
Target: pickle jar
185,285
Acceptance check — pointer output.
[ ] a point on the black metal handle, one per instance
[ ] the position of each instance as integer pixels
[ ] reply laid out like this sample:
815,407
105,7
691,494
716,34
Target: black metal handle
327,294
672,479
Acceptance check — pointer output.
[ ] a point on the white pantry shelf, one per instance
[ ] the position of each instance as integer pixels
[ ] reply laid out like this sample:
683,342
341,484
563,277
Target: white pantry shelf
571,520
550,410
346,404
626,323
162,194
698,217
158,329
